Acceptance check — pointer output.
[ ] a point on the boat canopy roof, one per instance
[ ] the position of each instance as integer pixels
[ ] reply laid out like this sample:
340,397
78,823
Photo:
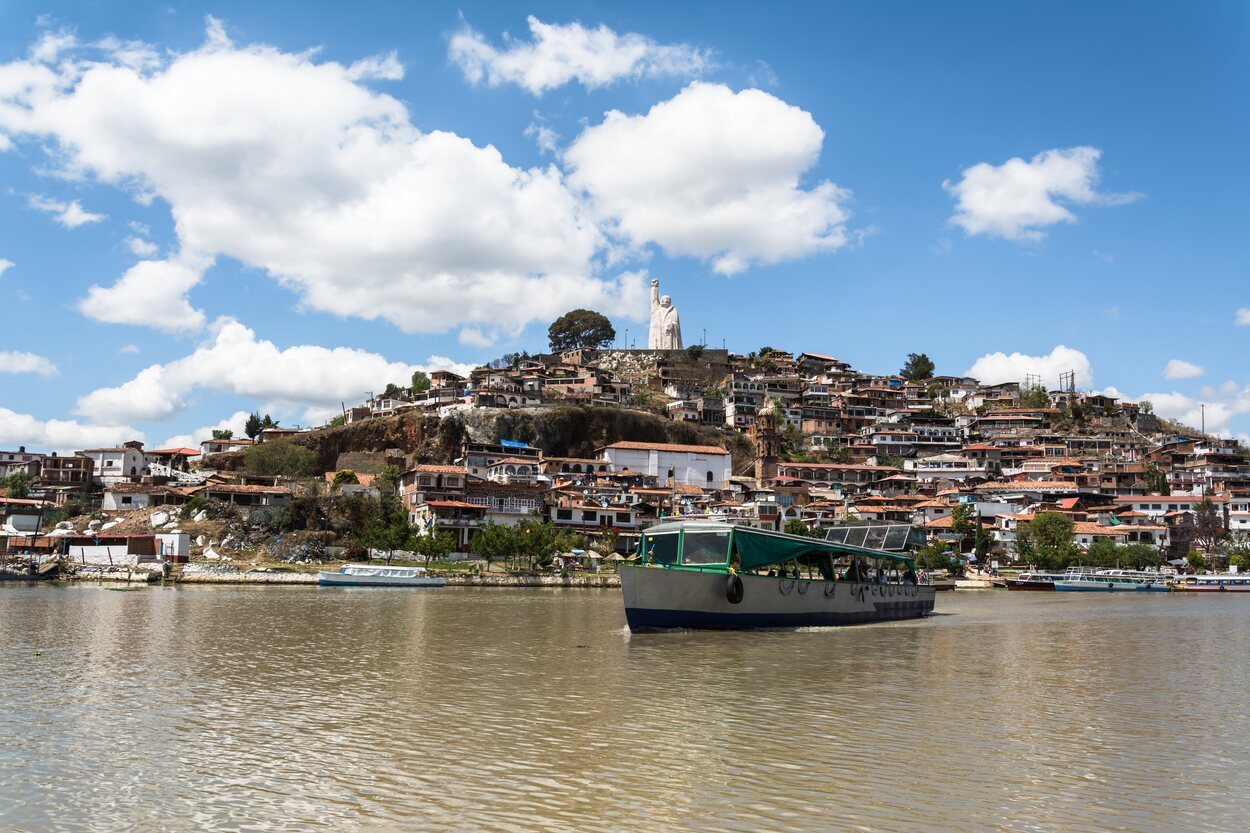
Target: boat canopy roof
757,548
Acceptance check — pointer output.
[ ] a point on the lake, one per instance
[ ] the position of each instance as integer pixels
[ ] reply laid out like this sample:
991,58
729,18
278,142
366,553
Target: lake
363,709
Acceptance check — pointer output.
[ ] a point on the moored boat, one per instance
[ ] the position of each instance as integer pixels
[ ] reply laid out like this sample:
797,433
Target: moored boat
1215,583
1034,580
698,574
375,575
1140,581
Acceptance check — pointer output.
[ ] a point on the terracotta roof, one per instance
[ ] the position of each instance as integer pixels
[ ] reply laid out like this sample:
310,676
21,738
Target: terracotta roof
512,461
675,447
1088,528
190,452
1030,486
453,504
427,468
940,523
232,489
21,501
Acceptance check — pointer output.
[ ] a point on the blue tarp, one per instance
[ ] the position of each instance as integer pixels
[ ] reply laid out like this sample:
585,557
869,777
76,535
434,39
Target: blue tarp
512,444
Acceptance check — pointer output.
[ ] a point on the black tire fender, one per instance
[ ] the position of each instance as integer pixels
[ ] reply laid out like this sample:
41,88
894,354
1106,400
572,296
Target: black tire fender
733,589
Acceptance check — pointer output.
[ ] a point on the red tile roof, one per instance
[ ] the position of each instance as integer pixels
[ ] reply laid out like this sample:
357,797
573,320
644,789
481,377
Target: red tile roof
674,447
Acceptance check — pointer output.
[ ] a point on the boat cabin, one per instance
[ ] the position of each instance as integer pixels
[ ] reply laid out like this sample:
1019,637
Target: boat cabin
725,548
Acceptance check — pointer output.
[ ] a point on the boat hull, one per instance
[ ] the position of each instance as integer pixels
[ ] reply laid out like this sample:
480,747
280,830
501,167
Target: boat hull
660,599
1017,584
342,580
1109,586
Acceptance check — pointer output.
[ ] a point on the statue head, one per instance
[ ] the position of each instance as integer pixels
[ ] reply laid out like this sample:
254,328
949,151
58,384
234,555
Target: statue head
666,300
655,281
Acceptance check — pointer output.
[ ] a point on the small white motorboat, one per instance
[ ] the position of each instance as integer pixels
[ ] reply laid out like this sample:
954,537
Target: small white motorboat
375,575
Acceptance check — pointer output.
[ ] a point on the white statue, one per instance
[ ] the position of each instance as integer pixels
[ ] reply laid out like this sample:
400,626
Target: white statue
665,331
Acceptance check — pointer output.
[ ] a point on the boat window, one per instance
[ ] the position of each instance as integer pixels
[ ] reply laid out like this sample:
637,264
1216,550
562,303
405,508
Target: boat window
896,537
705,548
876,537
661,549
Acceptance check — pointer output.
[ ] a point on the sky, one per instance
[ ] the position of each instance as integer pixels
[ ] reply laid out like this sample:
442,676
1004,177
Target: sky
210,209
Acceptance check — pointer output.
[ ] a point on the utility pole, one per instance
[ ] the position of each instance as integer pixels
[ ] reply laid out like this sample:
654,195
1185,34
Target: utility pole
1202,409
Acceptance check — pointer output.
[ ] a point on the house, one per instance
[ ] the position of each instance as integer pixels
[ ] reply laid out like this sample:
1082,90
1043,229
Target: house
115,465
708,466
425,482
224,446
124,497
457,518
258,502
478,457
21,515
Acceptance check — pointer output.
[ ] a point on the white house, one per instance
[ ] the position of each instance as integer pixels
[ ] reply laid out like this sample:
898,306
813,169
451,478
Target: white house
707,466
21,516
116,465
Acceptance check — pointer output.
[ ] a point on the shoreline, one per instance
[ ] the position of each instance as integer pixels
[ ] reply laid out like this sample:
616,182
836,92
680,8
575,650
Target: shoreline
220,574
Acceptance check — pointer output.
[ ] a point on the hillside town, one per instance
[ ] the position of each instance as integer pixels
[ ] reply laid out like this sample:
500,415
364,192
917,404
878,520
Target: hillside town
801,443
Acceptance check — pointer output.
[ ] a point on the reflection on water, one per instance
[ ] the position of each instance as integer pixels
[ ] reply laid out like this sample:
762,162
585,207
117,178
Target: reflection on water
225,708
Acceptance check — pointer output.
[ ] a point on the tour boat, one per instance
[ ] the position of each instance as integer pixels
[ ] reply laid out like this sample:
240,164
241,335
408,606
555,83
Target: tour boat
1217,583
375,575
1104,580
1034,580
701,574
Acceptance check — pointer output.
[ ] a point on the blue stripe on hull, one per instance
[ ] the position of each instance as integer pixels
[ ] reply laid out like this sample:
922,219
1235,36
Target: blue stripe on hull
646,619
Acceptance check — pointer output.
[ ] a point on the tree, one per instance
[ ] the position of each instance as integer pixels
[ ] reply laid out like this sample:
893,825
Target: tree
982,540
1146,406
420,381
17,485
223,434
580,328
962,521
436,546
538,543
345,477
1208,525
1046,541
268,422
495,542
1139,556
1155,480
387,480
917,368
1036,398
937,555
338,420
1103,553
1198,561
796,527
392,391
252,426
280,459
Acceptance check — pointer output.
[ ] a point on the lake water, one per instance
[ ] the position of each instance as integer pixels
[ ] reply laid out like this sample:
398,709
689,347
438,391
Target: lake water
291,709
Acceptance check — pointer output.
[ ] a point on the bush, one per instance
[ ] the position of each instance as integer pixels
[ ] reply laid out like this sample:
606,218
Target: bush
280,458
193,507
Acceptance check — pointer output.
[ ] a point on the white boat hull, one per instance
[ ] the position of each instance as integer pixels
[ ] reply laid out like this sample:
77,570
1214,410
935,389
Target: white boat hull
657,599
345,580
1107,586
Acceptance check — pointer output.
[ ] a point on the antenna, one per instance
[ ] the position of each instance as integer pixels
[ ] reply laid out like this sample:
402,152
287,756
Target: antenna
1067,381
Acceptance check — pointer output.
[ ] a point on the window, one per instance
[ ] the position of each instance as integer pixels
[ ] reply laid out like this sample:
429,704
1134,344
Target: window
623,518
564,514
661,549
589,516
126,499
705,548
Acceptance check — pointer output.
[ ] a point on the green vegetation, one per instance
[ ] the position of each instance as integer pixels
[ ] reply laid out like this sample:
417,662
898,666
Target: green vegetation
223,434
1198,561
337,421
281,458
256,424
1209,529
938,555
580,328
917,368
796,527
17,485
345,477
1104,553
1035,398
1046,541
193,507
420,382
1155,480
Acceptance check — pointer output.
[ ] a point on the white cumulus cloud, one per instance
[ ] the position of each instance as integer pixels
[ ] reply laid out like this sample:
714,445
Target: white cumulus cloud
995,368
560,53
233,360
713,174
59,435
1179,369
5,265
151,293
12,362
424,229
1017,200
69,214
140,247
1241,318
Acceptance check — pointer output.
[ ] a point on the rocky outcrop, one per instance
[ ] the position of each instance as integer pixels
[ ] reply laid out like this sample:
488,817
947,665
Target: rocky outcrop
561,431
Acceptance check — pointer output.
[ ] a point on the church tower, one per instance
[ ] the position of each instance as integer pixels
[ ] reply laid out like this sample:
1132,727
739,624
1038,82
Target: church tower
767,443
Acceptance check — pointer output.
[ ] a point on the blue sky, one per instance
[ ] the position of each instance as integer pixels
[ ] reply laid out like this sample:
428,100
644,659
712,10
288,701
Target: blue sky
281,206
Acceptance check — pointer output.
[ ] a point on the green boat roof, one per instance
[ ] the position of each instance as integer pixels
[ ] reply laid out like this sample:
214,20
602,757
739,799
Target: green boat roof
761,547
